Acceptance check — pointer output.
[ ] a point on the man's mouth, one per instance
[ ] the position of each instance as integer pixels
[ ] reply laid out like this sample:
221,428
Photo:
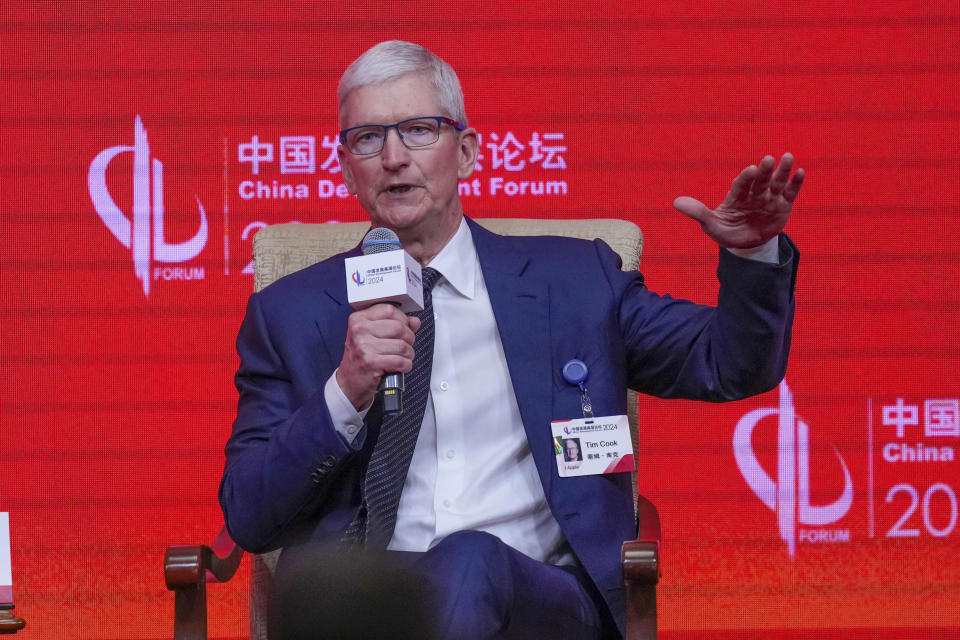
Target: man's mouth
399,188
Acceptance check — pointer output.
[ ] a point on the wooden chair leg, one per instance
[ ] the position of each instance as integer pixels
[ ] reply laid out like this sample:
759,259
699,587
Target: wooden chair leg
641,610
190,612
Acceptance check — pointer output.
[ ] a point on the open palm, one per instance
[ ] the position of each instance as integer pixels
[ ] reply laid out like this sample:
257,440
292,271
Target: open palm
756,208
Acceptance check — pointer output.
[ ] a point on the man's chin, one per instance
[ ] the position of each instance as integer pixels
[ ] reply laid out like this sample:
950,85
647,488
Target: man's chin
399,218
403,212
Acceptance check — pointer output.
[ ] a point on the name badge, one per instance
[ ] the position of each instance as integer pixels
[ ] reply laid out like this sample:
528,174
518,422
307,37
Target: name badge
591,446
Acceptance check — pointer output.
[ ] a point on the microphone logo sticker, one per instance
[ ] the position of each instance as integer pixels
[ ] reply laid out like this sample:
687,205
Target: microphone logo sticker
789,494
357,278
142,232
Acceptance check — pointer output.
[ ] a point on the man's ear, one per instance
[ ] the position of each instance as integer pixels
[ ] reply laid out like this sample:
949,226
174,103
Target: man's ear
346,169
467,153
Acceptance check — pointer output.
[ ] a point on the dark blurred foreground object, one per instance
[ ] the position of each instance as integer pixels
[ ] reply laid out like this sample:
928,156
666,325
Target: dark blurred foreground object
350,582
346,596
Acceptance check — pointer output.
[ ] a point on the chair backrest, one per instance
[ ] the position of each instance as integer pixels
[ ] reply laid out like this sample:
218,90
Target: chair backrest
281,249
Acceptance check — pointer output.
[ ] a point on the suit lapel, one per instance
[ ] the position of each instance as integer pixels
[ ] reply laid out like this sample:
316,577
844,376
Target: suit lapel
333,328
521,306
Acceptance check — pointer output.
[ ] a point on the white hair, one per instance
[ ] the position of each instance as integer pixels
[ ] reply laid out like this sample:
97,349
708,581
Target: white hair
395,58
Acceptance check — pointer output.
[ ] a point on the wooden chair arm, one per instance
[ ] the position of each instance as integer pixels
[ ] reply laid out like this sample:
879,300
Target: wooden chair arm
187,569
10,623
641,572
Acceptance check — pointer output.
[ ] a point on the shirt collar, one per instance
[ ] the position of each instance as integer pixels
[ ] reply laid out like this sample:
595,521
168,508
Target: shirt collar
458,261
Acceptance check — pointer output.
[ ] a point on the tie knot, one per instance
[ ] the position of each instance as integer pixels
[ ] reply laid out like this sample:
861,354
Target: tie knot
430,276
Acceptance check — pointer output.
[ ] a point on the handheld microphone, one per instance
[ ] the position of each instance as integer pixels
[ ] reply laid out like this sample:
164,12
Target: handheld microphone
385,273
381,240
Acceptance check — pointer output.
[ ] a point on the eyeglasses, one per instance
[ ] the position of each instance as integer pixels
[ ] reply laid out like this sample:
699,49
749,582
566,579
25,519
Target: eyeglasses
368,139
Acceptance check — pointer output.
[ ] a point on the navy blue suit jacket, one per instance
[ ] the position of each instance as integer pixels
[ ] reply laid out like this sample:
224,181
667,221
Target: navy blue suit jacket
290,478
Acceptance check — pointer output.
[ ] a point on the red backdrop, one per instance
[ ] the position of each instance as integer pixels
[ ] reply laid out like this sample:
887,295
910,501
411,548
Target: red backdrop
117,342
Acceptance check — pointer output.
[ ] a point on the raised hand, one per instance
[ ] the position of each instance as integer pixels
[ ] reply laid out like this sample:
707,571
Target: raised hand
756,208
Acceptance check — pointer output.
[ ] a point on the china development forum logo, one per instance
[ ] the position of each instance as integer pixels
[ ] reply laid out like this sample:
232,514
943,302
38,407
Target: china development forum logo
789,495
142,232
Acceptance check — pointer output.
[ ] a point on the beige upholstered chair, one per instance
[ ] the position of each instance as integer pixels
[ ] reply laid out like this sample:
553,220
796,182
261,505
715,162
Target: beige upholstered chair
282,249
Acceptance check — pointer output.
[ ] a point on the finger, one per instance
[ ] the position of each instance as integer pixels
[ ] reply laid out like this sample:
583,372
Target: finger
382,320
381,311
400,364
740,187
390,330
793,187
779,179
692,207
413,322
764,171
378,355
391,349
389,363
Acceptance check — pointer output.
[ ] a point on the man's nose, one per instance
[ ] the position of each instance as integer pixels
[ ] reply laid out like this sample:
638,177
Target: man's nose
394,153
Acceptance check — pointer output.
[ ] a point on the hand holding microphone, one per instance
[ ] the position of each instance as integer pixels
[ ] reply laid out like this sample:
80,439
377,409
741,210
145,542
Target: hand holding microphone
379,340
379,345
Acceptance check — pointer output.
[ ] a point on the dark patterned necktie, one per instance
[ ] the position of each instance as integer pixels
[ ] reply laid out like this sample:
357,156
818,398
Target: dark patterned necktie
373,525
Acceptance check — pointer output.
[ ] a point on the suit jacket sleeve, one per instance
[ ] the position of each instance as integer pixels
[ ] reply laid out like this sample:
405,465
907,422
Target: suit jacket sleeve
678,349
284,455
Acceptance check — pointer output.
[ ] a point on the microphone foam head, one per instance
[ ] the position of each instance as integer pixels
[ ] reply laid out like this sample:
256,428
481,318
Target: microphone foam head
379,240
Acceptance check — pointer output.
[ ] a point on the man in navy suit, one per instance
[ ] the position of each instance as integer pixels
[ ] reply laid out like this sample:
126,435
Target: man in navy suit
509,548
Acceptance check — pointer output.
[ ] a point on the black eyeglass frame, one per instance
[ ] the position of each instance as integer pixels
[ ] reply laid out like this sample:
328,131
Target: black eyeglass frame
441,120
